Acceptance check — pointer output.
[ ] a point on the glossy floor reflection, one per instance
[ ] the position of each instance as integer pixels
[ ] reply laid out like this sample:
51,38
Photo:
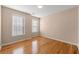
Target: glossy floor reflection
18,51
34,46
39,45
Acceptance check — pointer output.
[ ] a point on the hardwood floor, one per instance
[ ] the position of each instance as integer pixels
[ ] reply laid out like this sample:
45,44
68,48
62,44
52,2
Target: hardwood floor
39,45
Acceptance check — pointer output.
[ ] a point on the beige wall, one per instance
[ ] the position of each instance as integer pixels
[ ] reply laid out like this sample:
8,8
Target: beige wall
7,26
0,27
78,27
62,26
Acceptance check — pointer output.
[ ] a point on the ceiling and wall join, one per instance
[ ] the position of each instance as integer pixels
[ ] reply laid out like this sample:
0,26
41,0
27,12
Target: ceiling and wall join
40,12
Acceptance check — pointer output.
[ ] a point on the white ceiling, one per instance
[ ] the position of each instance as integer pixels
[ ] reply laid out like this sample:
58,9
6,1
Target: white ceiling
46,10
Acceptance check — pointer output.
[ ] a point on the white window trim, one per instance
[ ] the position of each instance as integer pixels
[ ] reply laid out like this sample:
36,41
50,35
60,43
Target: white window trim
38,25
23,24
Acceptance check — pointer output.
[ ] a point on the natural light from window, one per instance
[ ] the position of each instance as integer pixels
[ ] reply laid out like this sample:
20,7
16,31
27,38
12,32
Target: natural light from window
18,25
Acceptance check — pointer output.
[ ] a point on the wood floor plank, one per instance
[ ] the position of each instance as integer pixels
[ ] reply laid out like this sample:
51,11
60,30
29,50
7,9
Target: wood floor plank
39,45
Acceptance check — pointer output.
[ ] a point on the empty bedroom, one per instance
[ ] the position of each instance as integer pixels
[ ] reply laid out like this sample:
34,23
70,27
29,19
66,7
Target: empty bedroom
39,29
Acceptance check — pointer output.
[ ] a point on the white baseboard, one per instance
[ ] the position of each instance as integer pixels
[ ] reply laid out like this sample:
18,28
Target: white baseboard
15,42
43,36
60,40
36,36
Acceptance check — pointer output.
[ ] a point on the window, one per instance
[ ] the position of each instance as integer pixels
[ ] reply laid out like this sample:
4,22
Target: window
35,25
17,25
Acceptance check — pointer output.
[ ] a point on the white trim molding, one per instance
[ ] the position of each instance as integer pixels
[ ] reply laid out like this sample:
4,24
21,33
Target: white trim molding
60,40
15,42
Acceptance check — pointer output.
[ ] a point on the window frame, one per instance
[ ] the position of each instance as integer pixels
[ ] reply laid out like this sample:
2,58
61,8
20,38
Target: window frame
38,25
23,26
